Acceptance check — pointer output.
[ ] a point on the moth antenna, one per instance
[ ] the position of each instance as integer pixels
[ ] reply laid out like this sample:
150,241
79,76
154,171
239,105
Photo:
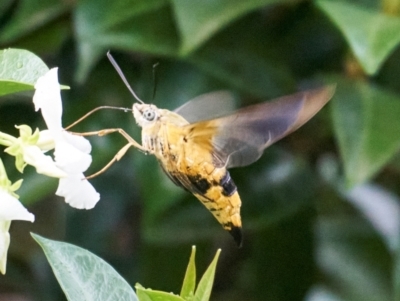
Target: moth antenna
155,79
121,74
94,110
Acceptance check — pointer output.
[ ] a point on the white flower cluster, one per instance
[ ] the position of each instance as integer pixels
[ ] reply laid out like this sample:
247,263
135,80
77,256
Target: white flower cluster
71,158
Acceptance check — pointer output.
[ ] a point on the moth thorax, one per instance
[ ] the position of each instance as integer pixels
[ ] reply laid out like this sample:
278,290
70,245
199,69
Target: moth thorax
155,144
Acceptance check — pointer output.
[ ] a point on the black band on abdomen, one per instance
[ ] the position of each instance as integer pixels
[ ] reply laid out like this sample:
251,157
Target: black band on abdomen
227,184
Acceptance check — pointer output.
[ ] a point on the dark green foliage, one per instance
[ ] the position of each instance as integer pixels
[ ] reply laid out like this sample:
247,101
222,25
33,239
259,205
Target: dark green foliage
320,208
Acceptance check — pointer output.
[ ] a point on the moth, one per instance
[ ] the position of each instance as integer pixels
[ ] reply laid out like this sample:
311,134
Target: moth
196,151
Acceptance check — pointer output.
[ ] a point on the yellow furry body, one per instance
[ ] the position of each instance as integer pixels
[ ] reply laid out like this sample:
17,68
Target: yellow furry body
196,154
190,165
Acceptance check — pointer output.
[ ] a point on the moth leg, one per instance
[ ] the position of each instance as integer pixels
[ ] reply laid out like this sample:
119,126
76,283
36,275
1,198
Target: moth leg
117,157
104,132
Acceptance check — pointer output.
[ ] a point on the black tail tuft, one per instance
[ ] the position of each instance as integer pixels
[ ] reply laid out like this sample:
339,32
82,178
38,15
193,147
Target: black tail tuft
236,232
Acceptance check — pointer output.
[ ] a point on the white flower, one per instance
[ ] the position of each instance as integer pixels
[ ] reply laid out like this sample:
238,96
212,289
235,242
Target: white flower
4,244
26,151
45,165
72,153
47,98
82,190
45,141
10,209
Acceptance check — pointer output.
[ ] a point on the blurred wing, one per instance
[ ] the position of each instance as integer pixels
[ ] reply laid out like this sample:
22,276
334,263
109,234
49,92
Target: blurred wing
240,139
207,106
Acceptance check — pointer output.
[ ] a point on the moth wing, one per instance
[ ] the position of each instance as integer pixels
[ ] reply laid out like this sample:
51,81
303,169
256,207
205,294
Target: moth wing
207,106
240,139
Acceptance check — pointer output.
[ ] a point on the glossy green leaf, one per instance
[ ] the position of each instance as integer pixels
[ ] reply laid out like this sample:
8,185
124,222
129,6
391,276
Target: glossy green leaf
372,35
353,259
203,290
47,40
5,6
397,276
198,21
82,275
19,70
151,295
189,282
31,15
367,125
249,66
144,26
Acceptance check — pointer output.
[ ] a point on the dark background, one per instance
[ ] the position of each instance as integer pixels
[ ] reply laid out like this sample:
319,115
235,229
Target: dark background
320,208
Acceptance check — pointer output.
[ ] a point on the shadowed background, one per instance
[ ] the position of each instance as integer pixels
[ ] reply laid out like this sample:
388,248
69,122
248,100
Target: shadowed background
320,208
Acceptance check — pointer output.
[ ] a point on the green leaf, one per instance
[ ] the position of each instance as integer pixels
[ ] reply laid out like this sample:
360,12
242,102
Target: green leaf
198,21
82,275
396,274
367,125
30,15
204,288
189,282
372,35
249,66
353,259
19,70
48,39
142,26
5,6
150,295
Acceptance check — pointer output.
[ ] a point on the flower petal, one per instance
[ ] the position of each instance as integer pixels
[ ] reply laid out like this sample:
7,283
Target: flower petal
46,141
4,244
78,192
12,209
47,98
79,142
43,164
70,159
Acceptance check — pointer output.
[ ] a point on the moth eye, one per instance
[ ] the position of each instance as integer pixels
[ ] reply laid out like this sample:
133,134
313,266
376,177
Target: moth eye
149,115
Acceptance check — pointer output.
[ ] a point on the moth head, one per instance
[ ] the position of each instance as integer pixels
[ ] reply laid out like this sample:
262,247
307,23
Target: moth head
145,114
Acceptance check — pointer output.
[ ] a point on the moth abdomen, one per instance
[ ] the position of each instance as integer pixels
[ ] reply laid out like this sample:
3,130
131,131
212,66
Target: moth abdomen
227,184
174,177
237,234
201,184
